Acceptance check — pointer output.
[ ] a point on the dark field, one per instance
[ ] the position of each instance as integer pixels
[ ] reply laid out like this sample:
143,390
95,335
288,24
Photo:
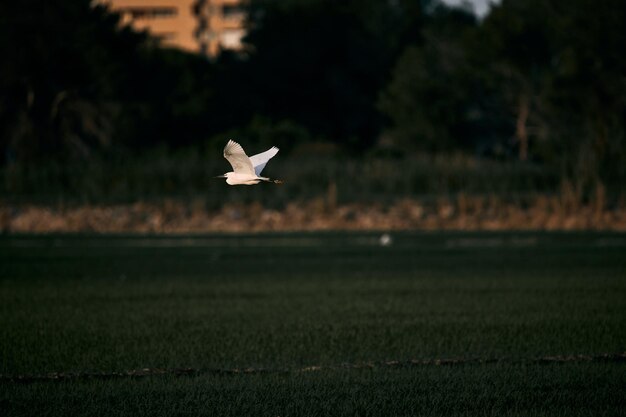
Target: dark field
311,324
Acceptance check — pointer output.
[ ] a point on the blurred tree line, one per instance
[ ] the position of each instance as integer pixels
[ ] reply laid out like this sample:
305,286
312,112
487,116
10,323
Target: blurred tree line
540,81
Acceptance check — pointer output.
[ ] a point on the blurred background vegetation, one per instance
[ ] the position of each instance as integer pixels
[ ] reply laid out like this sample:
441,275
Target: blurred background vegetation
371,100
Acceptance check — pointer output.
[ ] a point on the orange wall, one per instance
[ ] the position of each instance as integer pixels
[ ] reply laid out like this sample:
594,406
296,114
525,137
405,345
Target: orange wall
181,29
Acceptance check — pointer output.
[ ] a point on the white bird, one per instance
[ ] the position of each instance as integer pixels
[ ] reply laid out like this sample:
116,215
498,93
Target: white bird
247,171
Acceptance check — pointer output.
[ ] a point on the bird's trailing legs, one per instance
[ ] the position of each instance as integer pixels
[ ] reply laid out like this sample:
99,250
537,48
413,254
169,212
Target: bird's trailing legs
271,180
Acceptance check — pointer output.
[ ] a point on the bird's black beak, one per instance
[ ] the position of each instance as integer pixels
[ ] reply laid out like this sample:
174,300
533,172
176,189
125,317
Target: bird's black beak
220,176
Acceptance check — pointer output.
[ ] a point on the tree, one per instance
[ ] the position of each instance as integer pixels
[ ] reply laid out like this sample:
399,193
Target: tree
560,68
514,49
73,81
587,96
545,73
428,100
61,64
321,63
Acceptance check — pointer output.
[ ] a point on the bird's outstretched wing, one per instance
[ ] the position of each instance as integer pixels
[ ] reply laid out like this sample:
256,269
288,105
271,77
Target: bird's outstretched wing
234,153
260,160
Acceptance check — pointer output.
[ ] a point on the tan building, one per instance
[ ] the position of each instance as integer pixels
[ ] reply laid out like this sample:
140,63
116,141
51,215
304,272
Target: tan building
201,26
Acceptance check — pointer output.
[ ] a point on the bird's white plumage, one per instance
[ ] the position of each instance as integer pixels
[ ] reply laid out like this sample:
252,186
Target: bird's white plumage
234,153
247,170
260,160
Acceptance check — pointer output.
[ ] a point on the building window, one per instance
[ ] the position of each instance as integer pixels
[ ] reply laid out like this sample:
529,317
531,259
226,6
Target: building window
149,12
233,12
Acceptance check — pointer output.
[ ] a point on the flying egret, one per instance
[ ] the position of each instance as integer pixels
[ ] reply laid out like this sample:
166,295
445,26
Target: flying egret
247,171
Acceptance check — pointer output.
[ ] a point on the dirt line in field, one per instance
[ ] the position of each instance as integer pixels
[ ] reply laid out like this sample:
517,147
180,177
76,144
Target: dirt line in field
138,373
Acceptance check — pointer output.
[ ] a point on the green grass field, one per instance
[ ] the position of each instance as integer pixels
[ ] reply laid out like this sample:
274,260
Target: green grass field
312,324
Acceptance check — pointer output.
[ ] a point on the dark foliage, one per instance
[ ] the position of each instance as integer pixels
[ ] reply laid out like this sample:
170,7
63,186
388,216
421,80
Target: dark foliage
539,81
